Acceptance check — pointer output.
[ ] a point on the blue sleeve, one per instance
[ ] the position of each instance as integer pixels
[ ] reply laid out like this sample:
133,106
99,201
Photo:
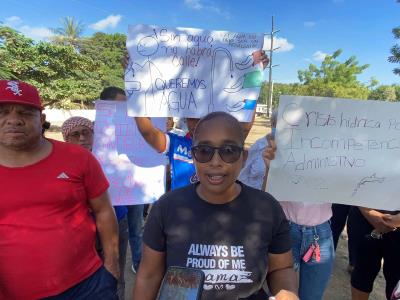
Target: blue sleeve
170,150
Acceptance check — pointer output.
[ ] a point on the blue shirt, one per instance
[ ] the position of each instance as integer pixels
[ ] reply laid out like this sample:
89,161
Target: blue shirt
180,158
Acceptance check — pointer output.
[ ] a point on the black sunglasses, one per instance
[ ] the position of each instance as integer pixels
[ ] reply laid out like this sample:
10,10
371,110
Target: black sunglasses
228,153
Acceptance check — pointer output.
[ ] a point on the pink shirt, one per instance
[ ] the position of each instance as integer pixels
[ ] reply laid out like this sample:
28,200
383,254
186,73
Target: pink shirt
307,214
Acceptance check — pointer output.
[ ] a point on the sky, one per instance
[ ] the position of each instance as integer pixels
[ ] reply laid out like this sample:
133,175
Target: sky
308,29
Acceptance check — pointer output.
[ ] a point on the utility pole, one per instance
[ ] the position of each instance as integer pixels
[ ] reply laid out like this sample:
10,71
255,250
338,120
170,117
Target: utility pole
270,83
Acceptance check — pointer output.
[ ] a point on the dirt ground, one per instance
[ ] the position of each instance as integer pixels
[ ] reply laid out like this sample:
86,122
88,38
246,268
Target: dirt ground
339,284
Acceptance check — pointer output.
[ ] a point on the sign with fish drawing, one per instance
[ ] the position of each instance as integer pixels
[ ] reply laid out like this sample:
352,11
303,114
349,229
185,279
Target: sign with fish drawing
337,150
186,72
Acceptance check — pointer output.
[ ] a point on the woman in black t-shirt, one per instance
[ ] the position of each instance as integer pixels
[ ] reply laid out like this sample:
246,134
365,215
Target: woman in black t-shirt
237,235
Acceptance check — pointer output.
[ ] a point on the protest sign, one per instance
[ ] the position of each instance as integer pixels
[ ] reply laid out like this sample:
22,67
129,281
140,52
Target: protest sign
135,171
186,72
337,150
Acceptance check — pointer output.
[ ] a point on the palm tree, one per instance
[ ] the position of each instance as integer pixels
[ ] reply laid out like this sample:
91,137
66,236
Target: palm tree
395,57
69,33
395,50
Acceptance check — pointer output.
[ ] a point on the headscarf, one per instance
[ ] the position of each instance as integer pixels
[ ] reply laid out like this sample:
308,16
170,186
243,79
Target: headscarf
73,122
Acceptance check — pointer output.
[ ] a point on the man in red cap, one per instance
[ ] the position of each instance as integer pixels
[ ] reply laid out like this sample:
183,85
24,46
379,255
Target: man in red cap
48,188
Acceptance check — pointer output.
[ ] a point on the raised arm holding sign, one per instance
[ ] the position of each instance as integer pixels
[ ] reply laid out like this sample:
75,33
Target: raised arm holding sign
170,72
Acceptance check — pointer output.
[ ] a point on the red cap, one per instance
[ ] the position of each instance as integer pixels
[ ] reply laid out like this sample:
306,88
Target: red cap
14,91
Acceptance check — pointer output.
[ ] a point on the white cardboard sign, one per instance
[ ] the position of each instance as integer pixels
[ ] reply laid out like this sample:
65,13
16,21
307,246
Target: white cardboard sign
337,150
186,72
136,172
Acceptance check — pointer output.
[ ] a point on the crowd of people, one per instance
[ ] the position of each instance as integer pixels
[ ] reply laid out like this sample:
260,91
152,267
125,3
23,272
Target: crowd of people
61,238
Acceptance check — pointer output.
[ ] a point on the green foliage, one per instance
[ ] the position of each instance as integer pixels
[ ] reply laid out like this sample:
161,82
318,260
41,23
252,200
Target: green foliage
331,70
69,34
14,51
107,49
331,79
395,51
383,92
63,76
334,78
72,73
286,89
397,91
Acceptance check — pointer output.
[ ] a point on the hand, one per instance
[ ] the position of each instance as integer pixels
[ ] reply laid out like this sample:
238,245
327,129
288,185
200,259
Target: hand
269,152
392,220
284,295
125,60
376,219
264,59
113,268
259,56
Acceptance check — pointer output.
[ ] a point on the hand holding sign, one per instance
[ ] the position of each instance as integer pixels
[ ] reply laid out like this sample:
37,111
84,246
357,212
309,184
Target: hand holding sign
269,152
186,72
392,220
337,151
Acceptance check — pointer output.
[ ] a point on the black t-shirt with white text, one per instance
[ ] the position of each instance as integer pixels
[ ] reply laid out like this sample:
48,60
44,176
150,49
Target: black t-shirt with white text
229,242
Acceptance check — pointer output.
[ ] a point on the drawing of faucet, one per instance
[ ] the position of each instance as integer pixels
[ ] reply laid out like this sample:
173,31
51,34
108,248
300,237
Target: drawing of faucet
211,104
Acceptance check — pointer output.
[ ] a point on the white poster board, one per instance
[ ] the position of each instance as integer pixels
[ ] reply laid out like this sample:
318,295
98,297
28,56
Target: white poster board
136,172
337,150
186,72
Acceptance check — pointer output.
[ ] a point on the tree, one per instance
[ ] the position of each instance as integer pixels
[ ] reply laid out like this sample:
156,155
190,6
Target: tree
383,92
64,77
397,91
334,78
15,51
281,89
69,33
5,72
108,49
395,50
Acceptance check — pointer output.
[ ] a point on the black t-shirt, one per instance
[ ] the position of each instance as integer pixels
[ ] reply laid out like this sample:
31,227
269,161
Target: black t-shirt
229,242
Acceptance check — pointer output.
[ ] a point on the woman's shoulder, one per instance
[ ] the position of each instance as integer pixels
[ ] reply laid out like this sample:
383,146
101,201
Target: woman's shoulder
261,143
258,196
175,197
262,205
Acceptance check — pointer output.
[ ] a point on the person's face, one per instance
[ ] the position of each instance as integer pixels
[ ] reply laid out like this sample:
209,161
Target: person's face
217,177
191,124
81,135
20,126
120,97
